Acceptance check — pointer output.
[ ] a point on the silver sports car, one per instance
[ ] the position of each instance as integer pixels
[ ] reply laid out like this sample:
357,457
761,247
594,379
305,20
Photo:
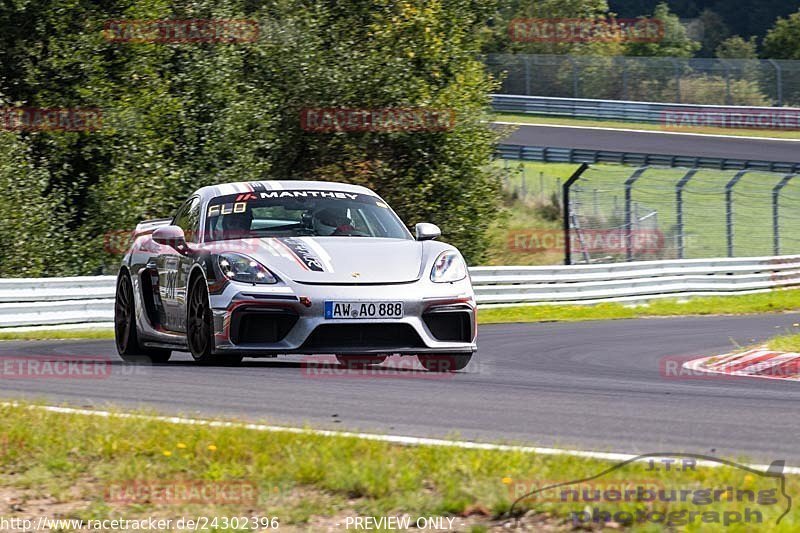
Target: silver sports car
293,267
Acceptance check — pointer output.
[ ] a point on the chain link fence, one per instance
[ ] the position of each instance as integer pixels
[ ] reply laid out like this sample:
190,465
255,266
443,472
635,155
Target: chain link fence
751,82
528,185
617,213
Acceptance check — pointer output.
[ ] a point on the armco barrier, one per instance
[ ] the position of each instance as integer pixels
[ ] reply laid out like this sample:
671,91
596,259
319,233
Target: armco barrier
56,301
644,112
79,300
547,154
646,280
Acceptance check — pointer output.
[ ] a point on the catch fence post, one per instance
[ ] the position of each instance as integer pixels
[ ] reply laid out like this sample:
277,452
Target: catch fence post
572,179
729,208
776,217
629,183
778,80
679,206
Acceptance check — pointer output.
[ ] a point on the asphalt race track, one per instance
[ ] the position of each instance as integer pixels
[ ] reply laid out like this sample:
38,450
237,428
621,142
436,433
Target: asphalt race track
656,143
591,385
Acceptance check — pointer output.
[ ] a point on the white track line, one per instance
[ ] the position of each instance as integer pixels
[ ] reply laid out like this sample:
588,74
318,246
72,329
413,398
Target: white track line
654,132
392,439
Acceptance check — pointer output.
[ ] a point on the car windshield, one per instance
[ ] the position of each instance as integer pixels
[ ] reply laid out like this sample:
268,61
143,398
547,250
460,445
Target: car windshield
296,213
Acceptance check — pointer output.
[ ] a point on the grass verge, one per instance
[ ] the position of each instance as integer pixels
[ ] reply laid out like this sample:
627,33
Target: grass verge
732,132
57,334
86,466
771,302
785,343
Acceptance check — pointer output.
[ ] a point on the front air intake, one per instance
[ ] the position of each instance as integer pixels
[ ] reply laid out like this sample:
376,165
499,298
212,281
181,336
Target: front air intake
449,326
368,336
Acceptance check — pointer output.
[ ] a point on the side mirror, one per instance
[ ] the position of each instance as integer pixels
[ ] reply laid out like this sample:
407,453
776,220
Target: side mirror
171,236
426,232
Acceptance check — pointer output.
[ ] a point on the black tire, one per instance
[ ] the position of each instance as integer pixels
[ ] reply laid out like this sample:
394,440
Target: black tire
360,361
444,362
200,328
125,334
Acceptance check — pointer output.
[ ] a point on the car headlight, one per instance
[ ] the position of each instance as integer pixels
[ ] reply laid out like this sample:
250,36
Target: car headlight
448,268
242,268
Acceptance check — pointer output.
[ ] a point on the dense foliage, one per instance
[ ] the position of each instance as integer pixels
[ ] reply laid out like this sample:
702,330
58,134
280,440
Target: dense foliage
783,40
693,28
676,42
721,18
179,116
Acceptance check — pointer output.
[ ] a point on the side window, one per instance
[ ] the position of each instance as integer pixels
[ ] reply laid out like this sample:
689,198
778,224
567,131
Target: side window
188,219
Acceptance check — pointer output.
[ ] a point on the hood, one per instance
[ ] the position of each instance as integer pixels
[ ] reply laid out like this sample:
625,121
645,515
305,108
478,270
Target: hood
354,260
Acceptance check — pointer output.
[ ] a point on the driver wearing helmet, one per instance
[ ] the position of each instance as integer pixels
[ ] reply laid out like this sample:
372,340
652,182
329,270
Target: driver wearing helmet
333,221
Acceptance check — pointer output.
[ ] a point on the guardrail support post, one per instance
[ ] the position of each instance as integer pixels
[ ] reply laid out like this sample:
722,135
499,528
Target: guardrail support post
572,179
729,208
628,211
776,217
679,215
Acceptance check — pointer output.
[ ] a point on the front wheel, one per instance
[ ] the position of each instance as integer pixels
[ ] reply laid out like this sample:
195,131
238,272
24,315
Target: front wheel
444,362
200,328
125,334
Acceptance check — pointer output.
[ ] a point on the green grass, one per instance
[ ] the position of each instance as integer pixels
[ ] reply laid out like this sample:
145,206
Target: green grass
786,343
733,132
529,187
57,334
771,302
75,460
601,195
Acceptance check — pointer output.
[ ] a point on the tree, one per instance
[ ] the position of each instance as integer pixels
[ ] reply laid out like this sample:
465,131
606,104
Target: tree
737,48
714,32
675,43
180,116
783,40
500,41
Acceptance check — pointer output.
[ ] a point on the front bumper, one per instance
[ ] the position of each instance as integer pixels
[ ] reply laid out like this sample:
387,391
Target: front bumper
289,318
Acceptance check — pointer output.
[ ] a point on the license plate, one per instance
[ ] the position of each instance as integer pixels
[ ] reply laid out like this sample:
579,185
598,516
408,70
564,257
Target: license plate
334,310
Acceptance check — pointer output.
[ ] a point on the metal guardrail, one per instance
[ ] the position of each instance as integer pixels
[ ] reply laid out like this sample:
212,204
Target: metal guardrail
56,301
645,112
547,154
645,280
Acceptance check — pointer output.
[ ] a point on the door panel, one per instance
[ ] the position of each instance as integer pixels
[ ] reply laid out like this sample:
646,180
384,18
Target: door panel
167,287
175,267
